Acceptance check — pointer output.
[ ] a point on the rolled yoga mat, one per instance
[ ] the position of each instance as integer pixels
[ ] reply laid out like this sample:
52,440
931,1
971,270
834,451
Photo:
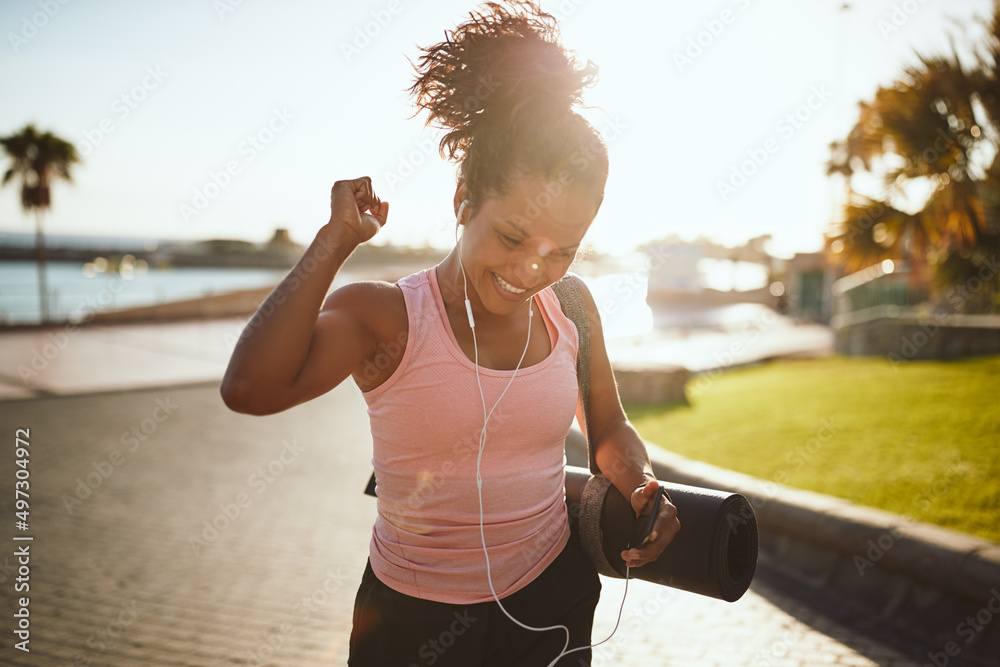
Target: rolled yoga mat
714,553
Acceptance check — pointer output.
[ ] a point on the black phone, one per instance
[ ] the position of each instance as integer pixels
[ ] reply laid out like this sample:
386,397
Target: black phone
647,522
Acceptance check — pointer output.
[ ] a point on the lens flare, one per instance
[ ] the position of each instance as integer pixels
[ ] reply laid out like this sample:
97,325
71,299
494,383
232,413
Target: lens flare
536,263
533,264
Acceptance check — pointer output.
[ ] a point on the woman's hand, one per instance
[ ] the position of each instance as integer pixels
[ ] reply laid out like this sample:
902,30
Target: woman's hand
355,208
665,526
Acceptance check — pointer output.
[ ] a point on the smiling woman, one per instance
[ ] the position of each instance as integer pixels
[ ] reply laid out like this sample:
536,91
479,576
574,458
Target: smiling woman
472,519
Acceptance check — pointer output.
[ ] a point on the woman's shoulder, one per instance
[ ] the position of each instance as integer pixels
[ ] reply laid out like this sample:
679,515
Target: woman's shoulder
378,308
377,304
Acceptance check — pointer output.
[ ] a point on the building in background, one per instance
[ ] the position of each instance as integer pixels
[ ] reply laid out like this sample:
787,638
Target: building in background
703,273
808,282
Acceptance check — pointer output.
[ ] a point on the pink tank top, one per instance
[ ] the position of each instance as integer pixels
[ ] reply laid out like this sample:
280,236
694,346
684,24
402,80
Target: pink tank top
426,419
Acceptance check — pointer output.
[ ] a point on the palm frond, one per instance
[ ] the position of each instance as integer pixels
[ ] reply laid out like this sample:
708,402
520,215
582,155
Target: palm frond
38,159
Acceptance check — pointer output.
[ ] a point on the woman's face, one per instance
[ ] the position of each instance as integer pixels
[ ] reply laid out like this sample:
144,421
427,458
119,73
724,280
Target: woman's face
516,246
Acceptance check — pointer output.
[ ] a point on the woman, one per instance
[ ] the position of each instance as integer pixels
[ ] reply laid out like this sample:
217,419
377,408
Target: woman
468,367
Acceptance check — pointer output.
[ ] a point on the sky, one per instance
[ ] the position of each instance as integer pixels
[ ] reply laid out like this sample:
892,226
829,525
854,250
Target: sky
229,118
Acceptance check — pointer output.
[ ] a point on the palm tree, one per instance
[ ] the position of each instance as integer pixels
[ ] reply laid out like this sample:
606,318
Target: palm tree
38,159
932,137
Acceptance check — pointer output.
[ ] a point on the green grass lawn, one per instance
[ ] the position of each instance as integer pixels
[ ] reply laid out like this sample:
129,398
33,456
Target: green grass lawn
920,439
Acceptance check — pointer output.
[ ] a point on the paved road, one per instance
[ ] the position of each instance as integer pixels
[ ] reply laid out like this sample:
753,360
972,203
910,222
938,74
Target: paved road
171,531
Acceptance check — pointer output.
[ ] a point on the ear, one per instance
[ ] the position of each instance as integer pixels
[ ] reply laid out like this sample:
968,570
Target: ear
460,194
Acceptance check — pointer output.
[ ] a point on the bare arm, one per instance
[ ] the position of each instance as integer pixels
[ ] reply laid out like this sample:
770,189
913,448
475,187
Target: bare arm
619,449
291,351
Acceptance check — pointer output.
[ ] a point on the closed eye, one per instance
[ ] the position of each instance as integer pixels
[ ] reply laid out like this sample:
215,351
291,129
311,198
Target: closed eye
513,242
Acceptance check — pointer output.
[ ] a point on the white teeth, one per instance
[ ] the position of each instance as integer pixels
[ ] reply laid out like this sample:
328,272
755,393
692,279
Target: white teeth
507,286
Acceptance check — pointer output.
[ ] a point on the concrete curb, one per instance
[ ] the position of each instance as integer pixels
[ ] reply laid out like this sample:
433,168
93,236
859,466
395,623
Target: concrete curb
226,304
922,581
963,564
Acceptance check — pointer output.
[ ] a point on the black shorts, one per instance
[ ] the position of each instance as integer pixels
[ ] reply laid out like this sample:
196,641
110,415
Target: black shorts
396,630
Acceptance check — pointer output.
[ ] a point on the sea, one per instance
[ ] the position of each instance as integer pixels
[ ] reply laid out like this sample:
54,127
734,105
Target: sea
76,289
698,337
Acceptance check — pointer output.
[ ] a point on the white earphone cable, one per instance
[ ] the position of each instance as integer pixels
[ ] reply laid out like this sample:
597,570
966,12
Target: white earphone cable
479,478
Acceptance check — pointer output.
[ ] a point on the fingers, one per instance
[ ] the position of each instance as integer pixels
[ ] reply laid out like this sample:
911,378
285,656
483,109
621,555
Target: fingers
363,192
381,213
643,498
649,553
666,527
649,492
365,195
353,202
360,187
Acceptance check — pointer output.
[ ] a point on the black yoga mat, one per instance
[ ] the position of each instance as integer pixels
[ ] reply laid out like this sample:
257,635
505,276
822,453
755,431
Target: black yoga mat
713,554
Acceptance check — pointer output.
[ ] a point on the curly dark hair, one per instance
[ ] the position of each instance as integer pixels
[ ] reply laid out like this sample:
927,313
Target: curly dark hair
504,88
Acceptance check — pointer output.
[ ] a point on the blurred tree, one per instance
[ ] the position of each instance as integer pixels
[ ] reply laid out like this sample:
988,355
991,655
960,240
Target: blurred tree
930,143
38,159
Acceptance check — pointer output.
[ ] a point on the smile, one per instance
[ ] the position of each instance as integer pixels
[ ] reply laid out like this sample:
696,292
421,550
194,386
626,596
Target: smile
507,287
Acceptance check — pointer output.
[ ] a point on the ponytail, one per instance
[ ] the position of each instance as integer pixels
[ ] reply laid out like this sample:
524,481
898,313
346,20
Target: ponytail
504,89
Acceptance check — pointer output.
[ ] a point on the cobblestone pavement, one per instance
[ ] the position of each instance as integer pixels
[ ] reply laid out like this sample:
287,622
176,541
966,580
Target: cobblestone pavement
171,531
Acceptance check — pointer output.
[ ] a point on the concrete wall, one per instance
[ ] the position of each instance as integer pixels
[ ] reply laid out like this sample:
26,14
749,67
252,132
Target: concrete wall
651,385
905,338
